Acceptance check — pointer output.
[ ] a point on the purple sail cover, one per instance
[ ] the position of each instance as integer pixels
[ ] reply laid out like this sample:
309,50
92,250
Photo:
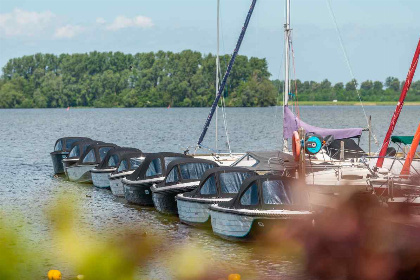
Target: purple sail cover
292,123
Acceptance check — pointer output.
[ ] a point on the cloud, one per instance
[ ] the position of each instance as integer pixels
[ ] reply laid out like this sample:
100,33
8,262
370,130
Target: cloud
68,31
121,22
100,20
24,23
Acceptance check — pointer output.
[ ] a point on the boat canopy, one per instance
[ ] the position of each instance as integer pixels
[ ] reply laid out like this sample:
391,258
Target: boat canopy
266,161
292,123
406,140
114,156
79,147
64,144
221,182
130,161
269,192
154,165
95,153
186,170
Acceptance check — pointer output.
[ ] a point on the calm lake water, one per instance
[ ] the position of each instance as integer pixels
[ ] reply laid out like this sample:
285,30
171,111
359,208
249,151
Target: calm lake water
27,184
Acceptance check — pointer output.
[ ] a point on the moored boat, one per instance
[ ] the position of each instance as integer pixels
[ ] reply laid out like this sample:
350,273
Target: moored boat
62,148
94,154
182,175
395,162
397,191
263,204
219,184
128,163
100,174
151,171
76,151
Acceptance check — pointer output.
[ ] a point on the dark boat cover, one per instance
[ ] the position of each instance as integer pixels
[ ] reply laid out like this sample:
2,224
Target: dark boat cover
154,165
351,149
130,161
115,155
275,161
95,153
64,144
269,192
186,170
79,147
292,123
221,182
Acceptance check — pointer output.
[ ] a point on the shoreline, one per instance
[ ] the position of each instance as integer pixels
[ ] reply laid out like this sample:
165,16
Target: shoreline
301,103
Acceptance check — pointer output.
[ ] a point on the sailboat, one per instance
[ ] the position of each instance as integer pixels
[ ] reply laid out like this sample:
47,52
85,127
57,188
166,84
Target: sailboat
223,159
382,180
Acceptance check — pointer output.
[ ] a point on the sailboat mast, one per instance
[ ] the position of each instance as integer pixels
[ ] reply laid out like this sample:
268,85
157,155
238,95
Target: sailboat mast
228,69
286,64
217,61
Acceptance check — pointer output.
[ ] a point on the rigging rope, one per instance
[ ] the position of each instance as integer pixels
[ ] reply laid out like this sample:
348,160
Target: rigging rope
350,68
229,68
278,96
294,76
225,119
225,125
223,99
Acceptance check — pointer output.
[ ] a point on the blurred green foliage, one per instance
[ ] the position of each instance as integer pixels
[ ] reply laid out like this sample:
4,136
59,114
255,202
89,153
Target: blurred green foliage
74,248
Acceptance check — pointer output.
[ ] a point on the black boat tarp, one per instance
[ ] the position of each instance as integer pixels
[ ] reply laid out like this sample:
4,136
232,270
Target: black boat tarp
221,182
186,170
79,147
95,153
116,155
64,144
154,165
351,149
269,192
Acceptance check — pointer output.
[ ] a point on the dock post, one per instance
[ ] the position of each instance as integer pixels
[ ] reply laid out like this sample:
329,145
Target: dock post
302,163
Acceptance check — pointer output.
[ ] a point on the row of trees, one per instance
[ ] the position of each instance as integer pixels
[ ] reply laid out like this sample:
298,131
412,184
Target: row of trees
374,91
161,79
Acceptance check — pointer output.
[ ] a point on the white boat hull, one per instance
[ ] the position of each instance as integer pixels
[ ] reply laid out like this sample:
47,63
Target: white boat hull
80,173
193,212
116,184
67,163
100,179
231,225
248,224
117,187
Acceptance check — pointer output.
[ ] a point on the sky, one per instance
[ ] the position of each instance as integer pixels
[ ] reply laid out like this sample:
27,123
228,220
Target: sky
379,36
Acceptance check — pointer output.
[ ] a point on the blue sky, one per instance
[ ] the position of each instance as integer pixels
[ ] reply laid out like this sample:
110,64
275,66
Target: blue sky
380,35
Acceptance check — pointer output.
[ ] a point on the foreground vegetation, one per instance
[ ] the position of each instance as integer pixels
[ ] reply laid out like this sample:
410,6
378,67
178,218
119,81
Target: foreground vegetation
357,241
185,79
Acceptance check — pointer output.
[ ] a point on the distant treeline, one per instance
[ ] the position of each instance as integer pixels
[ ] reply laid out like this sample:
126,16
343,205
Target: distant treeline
160,79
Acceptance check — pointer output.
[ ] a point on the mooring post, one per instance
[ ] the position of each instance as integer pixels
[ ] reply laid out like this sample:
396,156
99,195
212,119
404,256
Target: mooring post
302,163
